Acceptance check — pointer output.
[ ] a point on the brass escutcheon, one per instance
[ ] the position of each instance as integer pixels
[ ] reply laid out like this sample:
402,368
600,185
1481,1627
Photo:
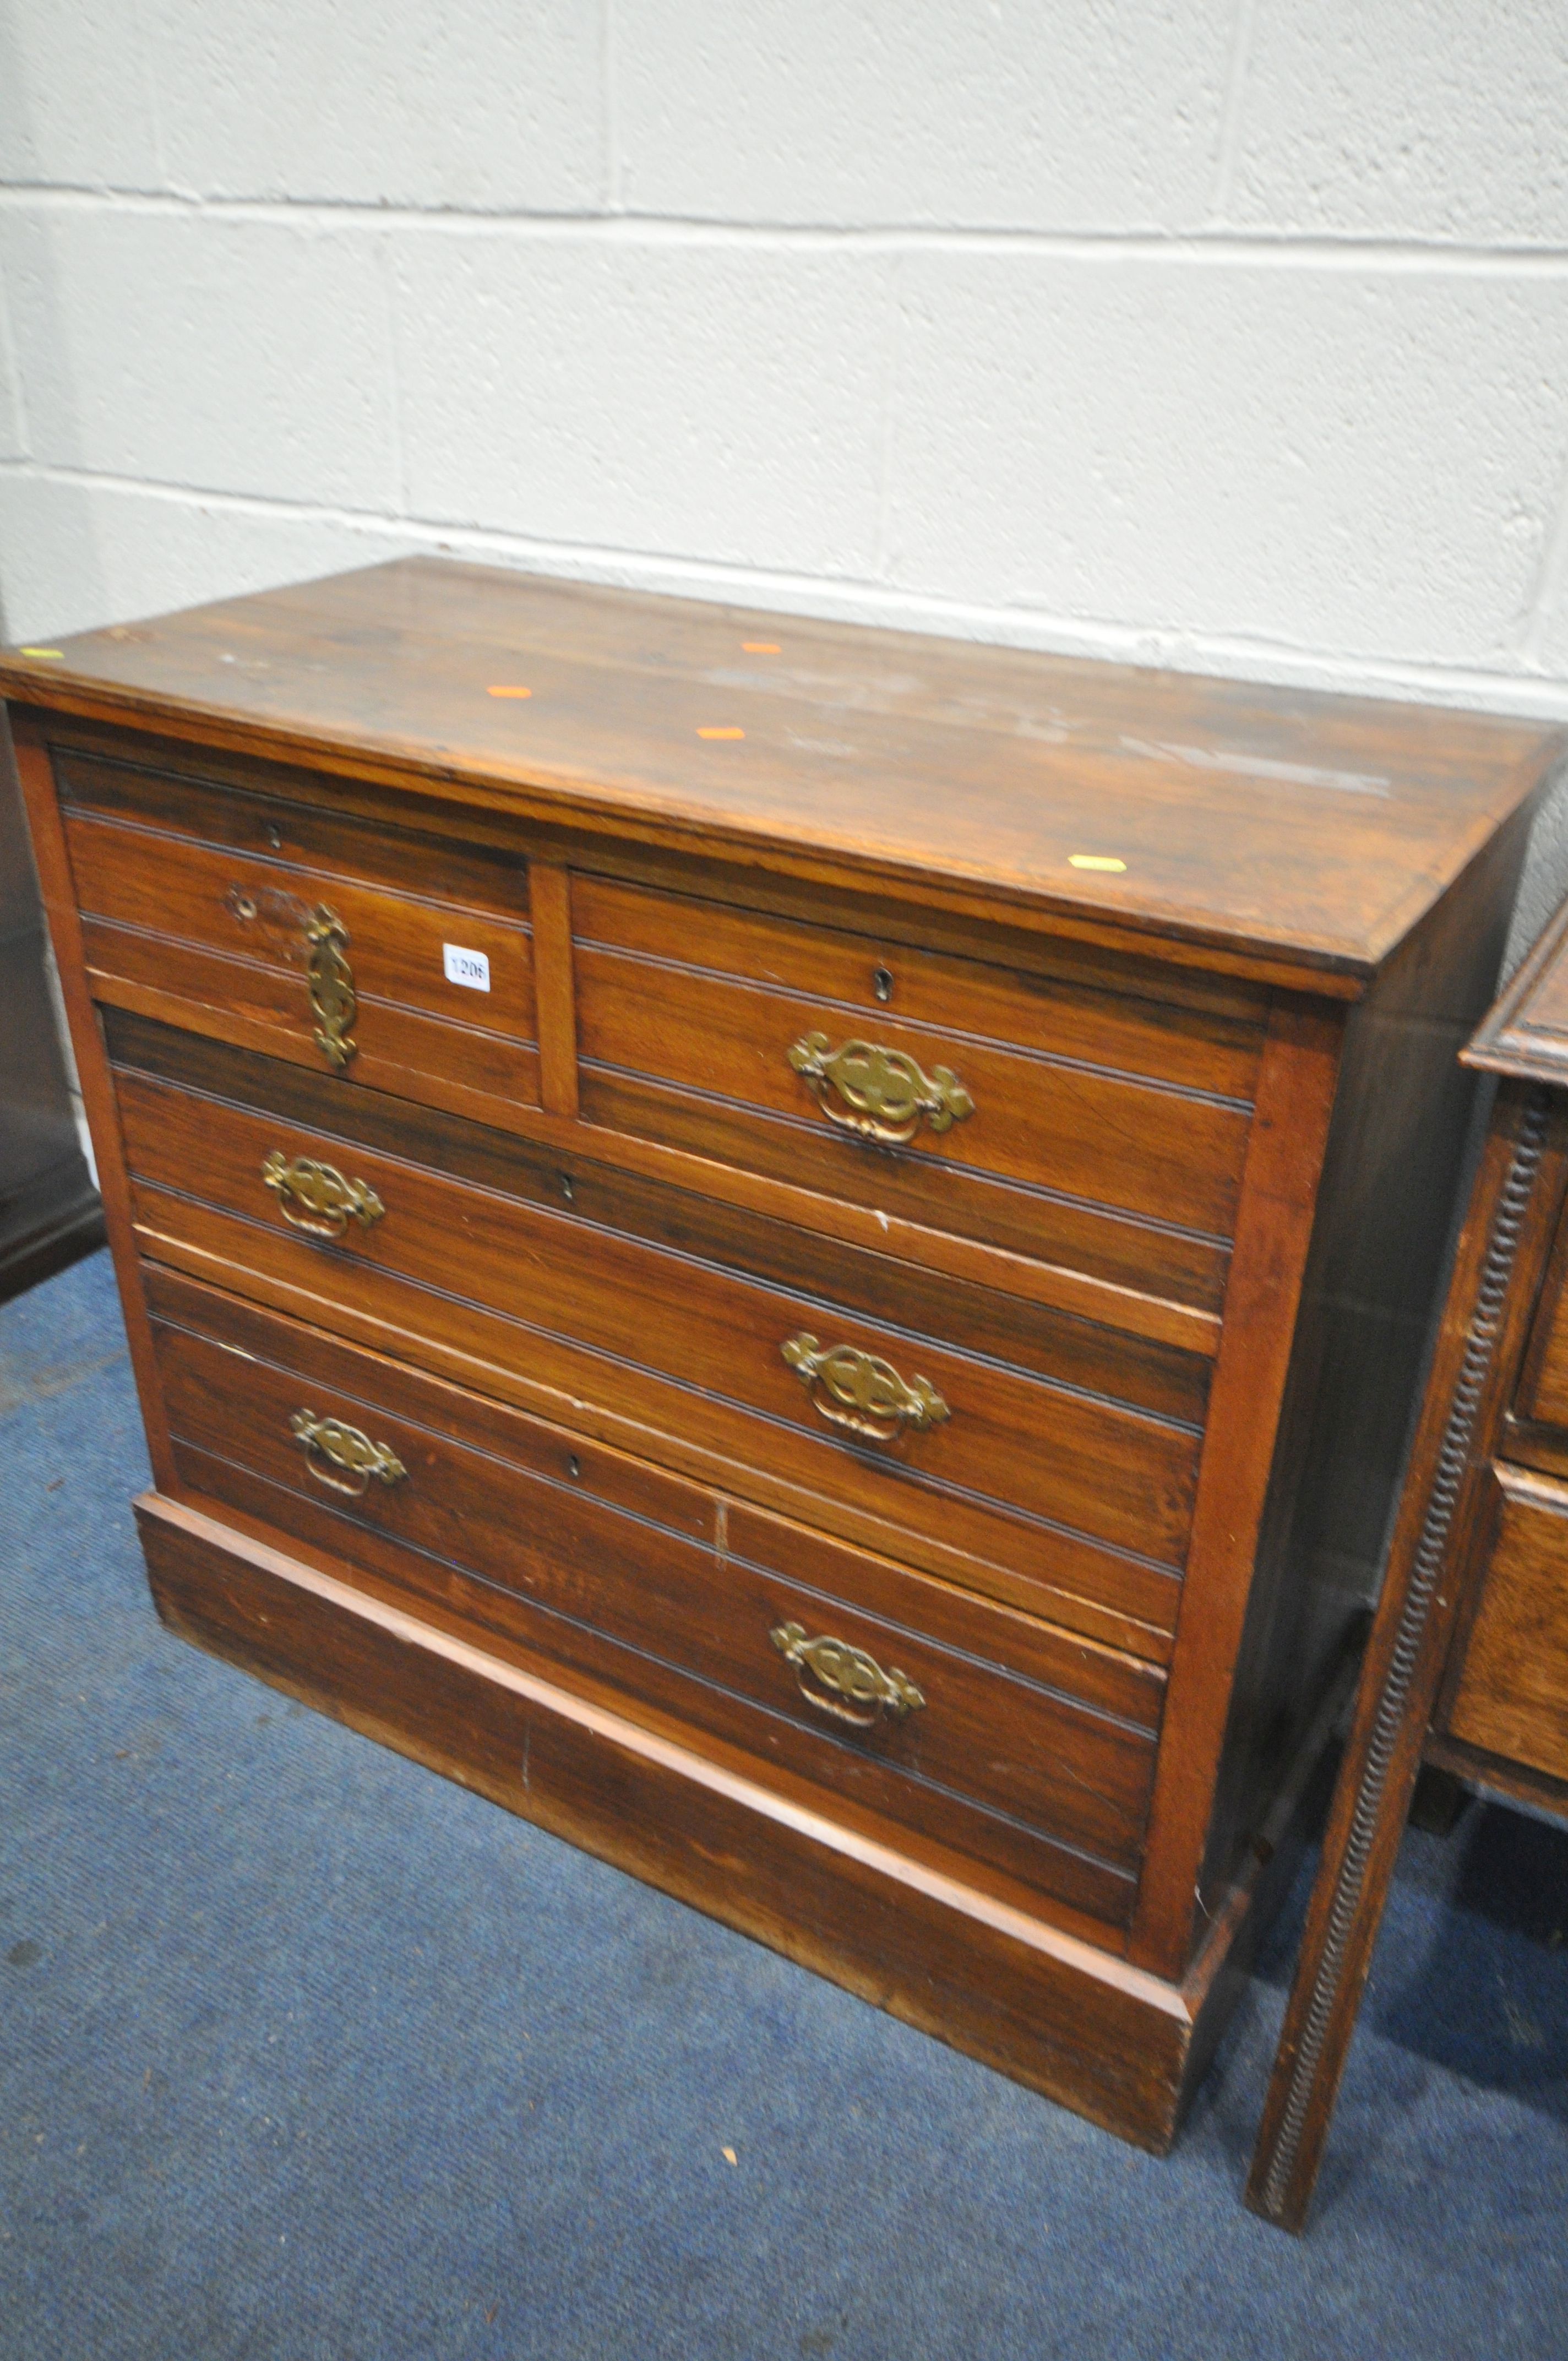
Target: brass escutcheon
861,1392
844,1681
345,1447
316,1198
332,986
876,1092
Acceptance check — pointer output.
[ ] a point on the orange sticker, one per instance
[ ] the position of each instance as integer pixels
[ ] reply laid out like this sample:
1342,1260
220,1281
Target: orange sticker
762,648
722,734
1094,860
509,692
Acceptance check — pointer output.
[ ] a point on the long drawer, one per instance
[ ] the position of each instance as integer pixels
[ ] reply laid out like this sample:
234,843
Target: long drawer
1074,1125
985,1731
963,1461
383,956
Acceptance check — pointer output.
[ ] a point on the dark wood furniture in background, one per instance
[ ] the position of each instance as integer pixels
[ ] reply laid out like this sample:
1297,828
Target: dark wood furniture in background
49,1212
1467,1664
796,1251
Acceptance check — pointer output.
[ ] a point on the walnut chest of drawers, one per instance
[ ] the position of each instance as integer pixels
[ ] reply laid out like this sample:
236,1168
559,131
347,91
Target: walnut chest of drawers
799,1252
1468,1663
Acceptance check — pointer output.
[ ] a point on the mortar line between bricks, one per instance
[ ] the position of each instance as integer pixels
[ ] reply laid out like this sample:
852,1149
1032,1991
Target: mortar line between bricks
858,598
1263,249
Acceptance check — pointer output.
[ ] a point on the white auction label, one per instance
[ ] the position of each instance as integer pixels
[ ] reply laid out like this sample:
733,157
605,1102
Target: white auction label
472,967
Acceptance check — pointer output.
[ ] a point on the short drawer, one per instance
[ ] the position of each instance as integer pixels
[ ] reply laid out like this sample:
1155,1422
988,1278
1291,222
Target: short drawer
1511,1694
381,955
958,1458
950,1716
1096,1131
1541,1397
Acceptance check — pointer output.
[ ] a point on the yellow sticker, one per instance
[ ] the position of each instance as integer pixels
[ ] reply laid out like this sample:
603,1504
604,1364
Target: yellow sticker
1094,860
54,655
761,648
504,691
722,734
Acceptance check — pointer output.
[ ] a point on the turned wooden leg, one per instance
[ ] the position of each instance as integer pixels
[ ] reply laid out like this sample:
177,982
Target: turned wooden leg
1404,1664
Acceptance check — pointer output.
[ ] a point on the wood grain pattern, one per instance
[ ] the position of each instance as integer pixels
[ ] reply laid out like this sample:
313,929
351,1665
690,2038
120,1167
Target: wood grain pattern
1291,1129
58,892
1046,2007
195,788
1381,1240
228,932
1511,1698
1108,1017
1007,1327
550,903
1144,1274
1541,1399
1510,1780
49,1213
1467,1667
1525,1033
609,1201
1517,1190
645,1606
708,1004
279,817
858,747
691,1351
692,1049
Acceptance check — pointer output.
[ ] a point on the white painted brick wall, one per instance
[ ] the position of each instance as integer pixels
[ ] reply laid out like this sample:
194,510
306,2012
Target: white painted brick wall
1231,333
1037,114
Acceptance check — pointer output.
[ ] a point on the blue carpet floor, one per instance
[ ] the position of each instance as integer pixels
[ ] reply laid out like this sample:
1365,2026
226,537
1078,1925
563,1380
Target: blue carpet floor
305,2053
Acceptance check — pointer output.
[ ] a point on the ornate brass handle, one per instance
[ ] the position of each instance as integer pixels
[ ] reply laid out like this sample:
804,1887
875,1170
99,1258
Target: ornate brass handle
326,1201
858,1391
348,1448
844,1681
332,986
882,1094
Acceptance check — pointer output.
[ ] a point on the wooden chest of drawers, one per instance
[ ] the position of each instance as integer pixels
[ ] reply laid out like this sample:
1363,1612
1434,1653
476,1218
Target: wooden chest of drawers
49,1213
800,1253
1466,1665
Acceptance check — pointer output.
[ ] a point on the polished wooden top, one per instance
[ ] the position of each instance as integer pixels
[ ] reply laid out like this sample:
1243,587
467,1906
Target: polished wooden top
1525,1032
1307,832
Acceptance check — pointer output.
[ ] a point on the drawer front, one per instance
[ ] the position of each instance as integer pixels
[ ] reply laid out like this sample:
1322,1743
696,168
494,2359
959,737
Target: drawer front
1511,1694
1106,1135
1541,1400
936,1711
948,1450
329,944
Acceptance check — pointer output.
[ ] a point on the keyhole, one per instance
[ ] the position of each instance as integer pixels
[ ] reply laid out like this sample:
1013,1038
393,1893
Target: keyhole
881,984
275,838
574,1467
244,908
566,1189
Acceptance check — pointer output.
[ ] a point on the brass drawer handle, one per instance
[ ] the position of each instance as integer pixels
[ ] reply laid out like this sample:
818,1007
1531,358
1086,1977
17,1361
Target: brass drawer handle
858,1391
332,986
345,1447
883,1093
326,1203
844,1681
